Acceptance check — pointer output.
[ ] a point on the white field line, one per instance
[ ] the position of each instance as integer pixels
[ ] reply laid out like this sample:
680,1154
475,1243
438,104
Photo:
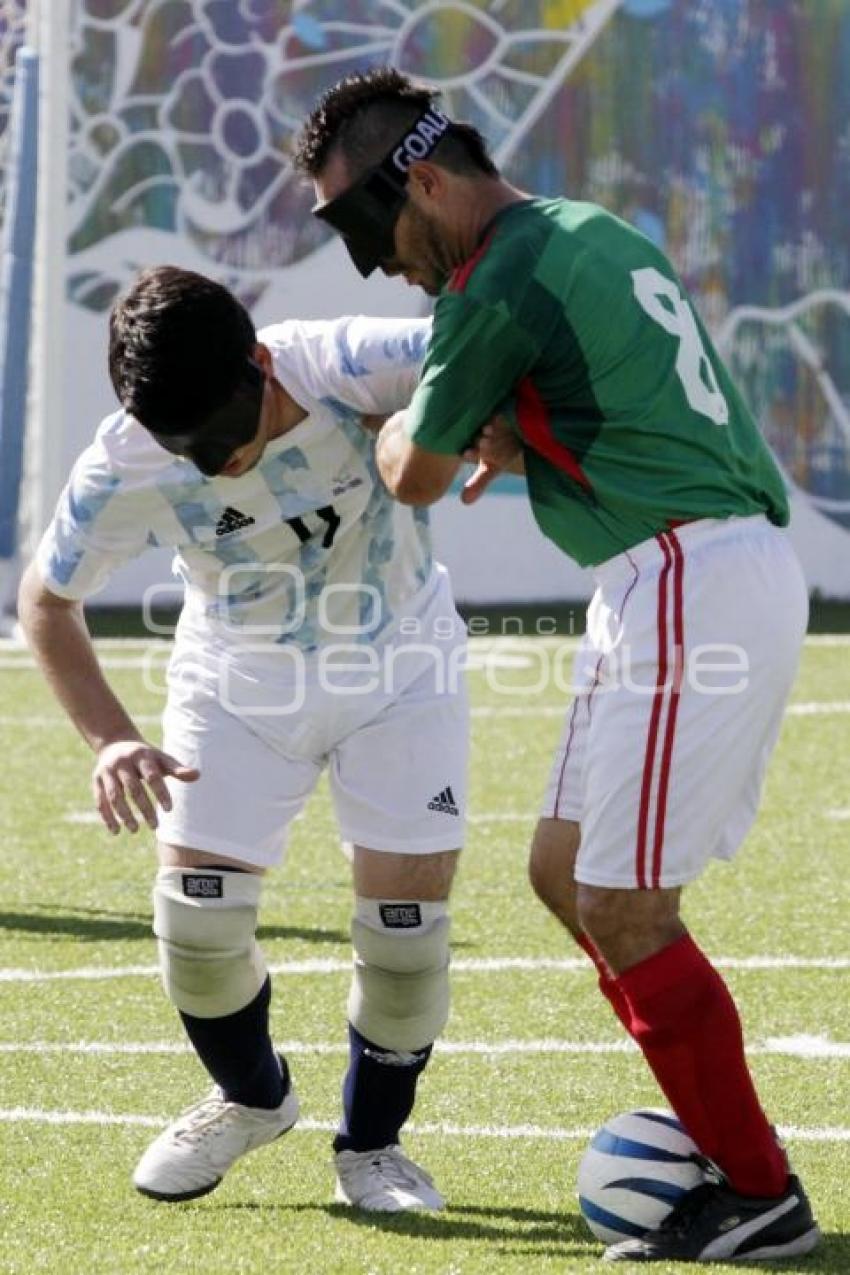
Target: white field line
817,706
102,644
530,816
92,817
52,721
19,1115
484,654
802,1046
11,662
15,654
477,643
809,708
463,965
476,661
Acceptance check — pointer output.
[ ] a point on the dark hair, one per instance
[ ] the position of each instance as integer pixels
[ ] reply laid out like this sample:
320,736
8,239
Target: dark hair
365,114
177,347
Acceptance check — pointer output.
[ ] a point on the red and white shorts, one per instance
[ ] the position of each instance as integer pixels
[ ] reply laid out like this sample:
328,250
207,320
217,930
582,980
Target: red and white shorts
692,645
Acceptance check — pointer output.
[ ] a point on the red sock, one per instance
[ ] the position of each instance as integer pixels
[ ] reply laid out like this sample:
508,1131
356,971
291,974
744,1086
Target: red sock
686,1023
607,985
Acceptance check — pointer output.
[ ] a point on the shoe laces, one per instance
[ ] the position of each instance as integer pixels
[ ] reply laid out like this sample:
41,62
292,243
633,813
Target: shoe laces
206,1117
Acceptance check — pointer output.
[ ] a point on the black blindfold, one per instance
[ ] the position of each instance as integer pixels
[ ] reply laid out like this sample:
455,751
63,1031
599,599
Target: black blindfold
366,213
211,444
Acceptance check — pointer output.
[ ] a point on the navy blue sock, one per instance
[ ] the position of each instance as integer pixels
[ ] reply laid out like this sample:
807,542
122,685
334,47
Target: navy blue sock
237,1052
377,1094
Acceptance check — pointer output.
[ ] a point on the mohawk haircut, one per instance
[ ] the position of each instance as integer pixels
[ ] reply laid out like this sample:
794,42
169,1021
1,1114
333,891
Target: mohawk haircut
365,114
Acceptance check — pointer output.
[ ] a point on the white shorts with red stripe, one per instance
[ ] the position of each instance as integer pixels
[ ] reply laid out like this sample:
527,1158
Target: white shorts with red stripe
692,645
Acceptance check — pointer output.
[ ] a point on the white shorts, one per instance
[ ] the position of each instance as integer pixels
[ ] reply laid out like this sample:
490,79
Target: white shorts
395,744
691,650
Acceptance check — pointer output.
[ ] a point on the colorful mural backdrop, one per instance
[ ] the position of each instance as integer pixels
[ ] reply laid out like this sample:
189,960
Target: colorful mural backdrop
720,127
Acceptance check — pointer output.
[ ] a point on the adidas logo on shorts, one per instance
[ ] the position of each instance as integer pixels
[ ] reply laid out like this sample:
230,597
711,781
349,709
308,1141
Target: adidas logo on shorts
233,520
444,803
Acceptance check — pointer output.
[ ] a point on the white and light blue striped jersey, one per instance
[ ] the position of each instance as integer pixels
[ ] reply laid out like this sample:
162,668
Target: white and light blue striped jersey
307,547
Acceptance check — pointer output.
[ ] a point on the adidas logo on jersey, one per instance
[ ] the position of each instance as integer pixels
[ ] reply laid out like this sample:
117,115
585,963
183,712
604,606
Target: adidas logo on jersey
233,520
444,803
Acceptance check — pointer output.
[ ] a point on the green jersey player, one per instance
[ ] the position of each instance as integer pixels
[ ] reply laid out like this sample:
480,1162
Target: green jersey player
642,462
627,431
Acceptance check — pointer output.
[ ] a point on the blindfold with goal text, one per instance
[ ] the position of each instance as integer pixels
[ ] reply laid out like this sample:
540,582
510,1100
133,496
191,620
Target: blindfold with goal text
366,213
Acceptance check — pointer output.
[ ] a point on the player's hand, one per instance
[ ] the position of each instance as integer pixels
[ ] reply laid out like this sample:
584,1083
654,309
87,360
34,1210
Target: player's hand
495,450
129,770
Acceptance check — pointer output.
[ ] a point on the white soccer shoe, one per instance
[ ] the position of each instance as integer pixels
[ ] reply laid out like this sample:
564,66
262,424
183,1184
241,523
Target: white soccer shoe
192,1155
384,1181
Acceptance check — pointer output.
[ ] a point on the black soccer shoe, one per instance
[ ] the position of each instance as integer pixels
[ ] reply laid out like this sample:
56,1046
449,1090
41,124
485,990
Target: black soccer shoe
713,1223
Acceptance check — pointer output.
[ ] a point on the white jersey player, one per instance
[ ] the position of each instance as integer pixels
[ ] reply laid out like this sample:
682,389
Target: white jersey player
317,632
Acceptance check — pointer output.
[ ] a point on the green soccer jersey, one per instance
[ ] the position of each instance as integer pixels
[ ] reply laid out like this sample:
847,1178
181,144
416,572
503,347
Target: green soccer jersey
576,326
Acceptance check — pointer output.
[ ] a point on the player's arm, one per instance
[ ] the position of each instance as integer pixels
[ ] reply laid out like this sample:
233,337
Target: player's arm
475,359
56,632
97,526
411,474
369,364
127,766
418,477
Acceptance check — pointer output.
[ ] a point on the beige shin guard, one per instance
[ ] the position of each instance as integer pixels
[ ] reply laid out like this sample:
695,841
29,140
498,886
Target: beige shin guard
399,995
205,921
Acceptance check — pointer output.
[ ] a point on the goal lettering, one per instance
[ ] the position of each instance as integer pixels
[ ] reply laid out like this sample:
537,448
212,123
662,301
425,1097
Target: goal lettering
664,303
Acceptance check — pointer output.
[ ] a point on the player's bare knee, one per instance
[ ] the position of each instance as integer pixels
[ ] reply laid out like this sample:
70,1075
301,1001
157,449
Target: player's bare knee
380,874
171,856
551,865
399,995
205,921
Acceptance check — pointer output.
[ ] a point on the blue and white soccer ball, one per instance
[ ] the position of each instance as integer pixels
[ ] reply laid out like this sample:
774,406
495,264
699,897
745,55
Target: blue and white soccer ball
637,1167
